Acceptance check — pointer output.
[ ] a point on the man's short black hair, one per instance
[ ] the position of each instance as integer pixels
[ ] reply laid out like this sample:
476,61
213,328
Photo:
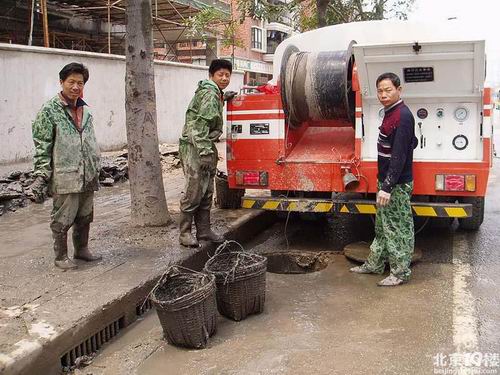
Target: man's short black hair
393,77
218,64
74,68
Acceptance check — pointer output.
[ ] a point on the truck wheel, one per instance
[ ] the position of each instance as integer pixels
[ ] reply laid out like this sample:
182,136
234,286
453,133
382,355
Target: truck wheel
224,196
475,221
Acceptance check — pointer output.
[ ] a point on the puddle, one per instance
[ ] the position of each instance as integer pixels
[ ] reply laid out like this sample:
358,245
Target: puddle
296,262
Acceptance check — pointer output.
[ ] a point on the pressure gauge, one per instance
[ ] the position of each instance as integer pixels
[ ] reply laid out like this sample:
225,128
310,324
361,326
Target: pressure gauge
440,113
461,114
460,142
422,113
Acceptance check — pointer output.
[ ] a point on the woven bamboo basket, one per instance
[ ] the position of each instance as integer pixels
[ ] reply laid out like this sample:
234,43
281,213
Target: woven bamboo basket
186,307
240,278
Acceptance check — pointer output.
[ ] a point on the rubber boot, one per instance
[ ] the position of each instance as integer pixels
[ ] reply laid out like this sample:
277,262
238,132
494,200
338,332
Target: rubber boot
360,269
391,280
61,250
186,238
81,243
203,230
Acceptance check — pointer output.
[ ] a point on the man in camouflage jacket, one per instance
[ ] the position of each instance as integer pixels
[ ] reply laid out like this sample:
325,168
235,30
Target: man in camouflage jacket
198,153
66,162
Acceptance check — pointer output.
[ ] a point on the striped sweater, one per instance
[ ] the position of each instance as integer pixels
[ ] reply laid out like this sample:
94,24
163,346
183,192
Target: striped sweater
395,145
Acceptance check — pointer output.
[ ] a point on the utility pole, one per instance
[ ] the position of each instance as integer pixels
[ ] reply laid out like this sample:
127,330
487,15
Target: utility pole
45,19
32,17
109,26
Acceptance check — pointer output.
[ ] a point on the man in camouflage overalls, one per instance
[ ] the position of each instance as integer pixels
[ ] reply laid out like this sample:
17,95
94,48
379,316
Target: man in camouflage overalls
394,235
66,161
198,154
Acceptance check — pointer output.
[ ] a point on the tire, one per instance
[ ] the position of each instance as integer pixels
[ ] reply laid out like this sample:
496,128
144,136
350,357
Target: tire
475,221
224,196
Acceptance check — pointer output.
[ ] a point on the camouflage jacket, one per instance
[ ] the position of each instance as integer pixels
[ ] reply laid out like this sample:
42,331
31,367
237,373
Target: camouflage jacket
203,124
67,158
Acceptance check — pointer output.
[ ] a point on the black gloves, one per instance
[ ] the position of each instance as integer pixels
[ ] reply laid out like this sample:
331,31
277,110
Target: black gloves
39,190
229,95
206,162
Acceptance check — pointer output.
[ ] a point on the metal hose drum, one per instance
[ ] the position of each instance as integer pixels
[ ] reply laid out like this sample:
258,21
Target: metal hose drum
317,86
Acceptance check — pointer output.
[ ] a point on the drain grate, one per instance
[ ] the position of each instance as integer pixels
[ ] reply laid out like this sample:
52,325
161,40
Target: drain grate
143,307
93,343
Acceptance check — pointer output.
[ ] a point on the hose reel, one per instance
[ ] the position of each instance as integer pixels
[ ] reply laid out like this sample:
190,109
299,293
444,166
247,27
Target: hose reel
317,86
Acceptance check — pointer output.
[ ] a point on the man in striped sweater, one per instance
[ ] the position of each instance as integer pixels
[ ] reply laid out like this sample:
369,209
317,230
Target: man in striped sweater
394,234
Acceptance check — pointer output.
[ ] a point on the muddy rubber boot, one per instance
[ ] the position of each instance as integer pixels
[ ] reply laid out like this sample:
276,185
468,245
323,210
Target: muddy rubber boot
61,250
81,243
203,230
391,281
186,238
360,269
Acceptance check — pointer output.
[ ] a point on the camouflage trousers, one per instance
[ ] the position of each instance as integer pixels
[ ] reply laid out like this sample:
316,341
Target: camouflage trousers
394,235
69,209
199,189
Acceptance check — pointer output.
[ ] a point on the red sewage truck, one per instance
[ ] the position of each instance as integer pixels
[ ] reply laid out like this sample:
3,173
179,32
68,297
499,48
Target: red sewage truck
310,135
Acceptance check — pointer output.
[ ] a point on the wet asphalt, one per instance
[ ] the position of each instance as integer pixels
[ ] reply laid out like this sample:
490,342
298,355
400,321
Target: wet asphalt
336,322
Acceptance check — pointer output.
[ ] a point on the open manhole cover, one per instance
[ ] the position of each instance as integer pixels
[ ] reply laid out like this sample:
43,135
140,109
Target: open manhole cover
296,261
359,251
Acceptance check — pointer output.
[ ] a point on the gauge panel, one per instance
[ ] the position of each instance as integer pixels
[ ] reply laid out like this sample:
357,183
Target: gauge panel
460,142
446,130
381,113
461,114
422,113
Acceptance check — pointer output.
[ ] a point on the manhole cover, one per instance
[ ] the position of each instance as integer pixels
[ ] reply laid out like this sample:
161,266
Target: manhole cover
359,251
296,261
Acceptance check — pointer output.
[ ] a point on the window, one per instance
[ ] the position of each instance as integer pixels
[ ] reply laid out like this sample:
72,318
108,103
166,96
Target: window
274,38
257,38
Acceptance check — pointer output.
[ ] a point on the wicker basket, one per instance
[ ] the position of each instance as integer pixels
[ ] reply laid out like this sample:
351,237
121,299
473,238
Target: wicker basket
186,307
241,283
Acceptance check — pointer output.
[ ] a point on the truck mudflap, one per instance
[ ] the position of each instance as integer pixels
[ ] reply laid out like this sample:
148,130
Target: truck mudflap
426,209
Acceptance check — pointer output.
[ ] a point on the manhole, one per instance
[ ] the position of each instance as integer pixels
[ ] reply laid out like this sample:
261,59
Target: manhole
296,261
359,251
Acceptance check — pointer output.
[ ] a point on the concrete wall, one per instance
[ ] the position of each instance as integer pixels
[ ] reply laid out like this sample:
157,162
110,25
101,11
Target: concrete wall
29,76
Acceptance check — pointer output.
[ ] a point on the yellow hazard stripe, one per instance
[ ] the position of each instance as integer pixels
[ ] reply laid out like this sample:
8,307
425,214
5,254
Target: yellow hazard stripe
455,212
348,208
424,211
270,205
247,203
344,209
323,207
366,208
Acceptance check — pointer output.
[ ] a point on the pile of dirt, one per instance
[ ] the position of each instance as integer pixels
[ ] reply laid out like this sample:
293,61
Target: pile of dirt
113,169
14,190
169,157
15,186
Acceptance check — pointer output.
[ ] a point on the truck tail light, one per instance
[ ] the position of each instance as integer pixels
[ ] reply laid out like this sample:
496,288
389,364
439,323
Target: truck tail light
470,182
439,182
455,182
255,178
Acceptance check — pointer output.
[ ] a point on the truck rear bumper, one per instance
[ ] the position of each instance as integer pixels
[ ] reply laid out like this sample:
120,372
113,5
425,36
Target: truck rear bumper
427,209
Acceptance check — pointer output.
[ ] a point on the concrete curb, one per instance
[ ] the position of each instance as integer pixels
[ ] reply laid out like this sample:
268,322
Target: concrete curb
45,357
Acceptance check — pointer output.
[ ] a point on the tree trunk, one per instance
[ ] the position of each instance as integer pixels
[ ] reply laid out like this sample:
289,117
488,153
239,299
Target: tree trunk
148,206
321,7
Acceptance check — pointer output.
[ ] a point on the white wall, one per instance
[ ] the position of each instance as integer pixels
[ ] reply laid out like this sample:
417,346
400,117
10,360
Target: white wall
29,76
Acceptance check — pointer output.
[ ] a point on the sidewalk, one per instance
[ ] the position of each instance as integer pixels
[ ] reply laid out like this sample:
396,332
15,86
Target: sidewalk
46,313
